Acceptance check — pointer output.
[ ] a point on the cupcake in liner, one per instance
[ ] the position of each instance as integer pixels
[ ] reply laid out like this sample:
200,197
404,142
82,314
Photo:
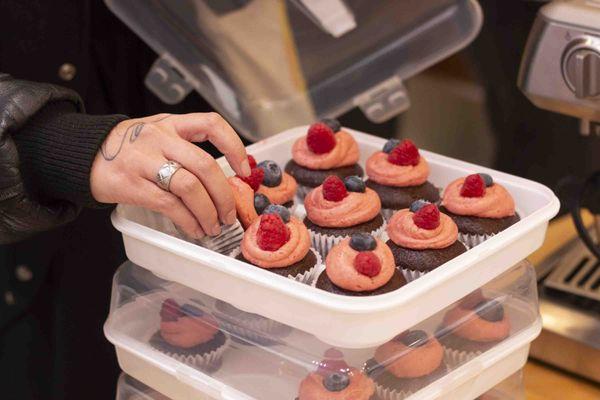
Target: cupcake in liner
360,266
406,364
473,326
326,150
422,239
398,173
278,186
337,209
480,208
280,243
190,335
249,328
335,379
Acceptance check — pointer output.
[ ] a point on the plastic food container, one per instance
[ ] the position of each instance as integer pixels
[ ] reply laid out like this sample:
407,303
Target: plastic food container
268,65
335,319
267,360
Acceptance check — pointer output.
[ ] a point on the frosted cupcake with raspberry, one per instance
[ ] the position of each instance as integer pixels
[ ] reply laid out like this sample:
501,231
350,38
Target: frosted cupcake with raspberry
473,326
279,243
335,379
337,209
406,364
479,206
190,335
360,266
326,150
399,175
422,239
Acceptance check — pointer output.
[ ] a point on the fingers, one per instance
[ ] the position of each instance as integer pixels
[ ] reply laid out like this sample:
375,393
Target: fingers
156,199
198,127
207,173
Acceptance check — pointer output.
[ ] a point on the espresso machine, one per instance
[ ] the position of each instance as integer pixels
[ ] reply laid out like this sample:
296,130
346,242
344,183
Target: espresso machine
560,72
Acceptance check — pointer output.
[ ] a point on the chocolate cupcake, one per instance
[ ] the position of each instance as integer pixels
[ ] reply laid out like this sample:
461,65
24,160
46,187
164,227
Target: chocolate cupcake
337,209
280,244
480,208
190,335
406,364
399,175
473,326
422,239
335,379
326,150
360,266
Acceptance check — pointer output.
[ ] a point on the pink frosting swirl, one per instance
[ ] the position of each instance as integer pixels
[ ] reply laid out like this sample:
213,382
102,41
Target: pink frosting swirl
467,324
344,153
282,193
354,209
495,203
294,250
360,387
410,362
404,232
340,267
380,170
188,331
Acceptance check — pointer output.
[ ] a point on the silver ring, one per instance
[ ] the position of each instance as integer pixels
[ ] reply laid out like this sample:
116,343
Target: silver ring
165,173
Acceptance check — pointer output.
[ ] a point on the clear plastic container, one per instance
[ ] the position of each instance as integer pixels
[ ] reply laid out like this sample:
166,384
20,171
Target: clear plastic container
151,242
268,65
159,329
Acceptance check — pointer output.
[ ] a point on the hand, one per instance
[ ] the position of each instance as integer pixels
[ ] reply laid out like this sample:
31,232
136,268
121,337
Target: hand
124,171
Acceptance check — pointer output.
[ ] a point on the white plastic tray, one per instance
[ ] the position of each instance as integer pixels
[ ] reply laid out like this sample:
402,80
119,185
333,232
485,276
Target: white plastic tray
340,320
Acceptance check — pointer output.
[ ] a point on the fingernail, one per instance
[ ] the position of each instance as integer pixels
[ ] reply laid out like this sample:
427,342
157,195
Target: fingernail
230,218
246,168
216,230
199,234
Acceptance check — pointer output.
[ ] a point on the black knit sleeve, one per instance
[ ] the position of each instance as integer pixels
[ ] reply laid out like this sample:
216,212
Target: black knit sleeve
57,147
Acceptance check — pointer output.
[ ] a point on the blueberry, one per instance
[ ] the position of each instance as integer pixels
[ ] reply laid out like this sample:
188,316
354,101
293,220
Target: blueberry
354,184
272,173
334,124
390,144
417,205
416,338
362,242
283,212
336,382
261,202
490,310
487,179
191,310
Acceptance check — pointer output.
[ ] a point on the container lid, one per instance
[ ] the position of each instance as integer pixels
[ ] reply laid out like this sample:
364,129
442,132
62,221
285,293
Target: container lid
267,65
191,344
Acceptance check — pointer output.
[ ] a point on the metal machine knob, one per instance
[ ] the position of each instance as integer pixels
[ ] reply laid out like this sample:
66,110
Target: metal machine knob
582,72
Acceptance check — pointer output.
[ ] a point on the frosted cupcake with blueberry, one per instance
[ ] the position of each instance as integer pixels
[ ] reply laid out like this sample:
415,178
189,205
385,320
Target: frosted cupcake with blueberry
399,175
337,209
326,150
279,243
479,206
422,239
406,364
360,266
190,335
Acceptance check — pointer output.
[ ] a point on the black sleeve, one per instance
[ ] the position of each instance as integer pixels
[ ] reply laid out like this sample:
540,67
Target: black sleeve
57,147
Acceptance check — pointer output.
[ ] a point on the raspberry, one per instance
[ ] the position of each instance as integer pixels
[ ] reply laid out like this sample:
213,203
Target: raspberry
251,161
367,263
428,217
320,138
473,186
272,232
334,189
255,178
170,310
406,153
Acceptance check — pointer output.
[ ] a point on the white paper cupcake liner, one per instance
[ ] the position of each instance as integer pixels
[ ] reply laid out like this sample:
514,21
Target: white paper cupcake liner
387,213
471,241
454,358
205,361
411,275
323,242
307,277
384,393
